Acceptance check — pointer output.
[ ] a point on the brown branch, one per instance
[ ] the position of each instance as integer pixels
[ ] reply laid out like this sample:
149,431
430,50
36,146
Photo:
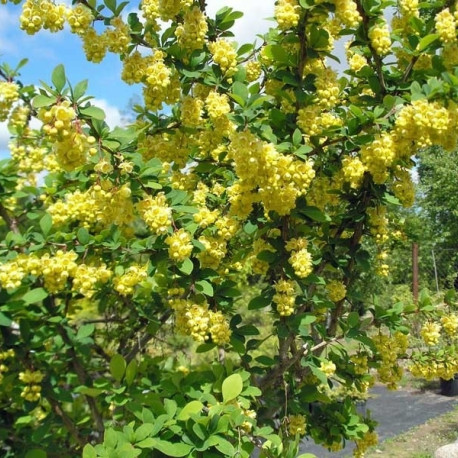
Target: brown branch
68,422
11,222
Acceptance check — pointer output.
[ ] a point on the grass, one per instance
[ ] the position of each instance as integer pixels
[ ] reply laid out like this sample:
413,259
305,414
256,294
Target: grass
421,441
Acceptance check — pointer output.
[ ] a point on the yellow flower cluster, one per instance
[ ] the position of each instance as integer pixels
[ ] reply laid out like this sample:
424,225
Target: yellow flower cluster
118,38
124,284
327,87
192,31
287,13
313,121
321,192
328,367
168,9
227,227
336,290
379,36
370,439
214,252
191,111
135,67
403,187
378,156
200,323
253,70
32,391
79,18
57,120
30,159
450,324
205,217
347,13
86,277
56,269
446,26
42,13
3,356
379,223
97,205
180,246
162,83
71,152
431,333
224,55
409,7
356,62
360,363
217,105
390,348
429,368
9,93
300,259
279,179
285,296
423,123
12,272
156,213
353,171
94,45
296,425
18,116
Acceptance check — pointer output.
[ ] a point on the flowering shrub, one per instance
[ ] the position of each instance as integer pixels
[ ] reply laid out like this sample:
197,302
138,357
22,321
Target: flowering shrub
245,165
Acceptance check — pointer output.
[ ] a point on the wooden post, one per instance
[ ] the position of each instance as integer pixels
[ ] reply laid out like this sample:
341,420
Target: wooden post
415,272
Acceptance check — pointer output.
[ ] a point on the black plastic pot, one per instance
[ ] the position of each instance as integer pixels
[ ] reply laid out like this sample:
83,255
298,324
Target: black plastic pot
449,387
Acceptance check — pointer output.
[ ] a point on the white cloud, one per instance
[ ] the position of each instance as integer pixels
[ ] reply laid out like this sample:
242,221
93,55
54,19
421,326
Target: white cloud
113,114
4,139
253,22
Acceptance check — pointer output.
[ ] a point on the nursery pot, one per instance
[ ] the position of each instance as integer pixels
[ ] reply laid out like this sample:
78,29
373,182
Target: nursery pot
449,387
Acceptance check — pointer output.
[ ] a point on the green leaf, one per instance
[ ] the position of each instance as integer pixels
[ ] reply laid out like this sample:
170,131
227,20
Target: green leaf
426,41
186,266
43,101
297,137
146,443
143,431
80,90
205,287
89,451
277,53
4,320
131,372
232,387
85,331
316,214
240,90
46,224
35,295
111,5
259,302
93,112
353,319
117,367
36,453
193,407
172,449
225,447
83,235
307,455
58,77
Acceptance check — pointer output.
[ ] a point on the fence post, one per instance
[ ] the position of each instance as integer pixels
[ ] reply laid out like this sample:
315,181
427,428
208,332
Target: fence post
415,272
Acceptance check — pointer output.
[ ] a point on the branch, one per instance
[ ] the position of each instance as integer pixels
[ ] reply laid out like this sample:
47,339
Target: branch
11,223
68,422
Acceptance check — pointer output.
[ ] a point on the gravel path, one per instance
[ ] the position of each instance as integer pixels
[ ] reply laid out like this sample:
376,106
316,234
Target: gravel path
396,412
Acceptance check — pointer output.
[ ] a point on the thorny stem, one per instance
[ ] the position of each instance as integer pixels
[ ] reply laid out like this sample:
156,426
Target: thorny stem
11,223
69,425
